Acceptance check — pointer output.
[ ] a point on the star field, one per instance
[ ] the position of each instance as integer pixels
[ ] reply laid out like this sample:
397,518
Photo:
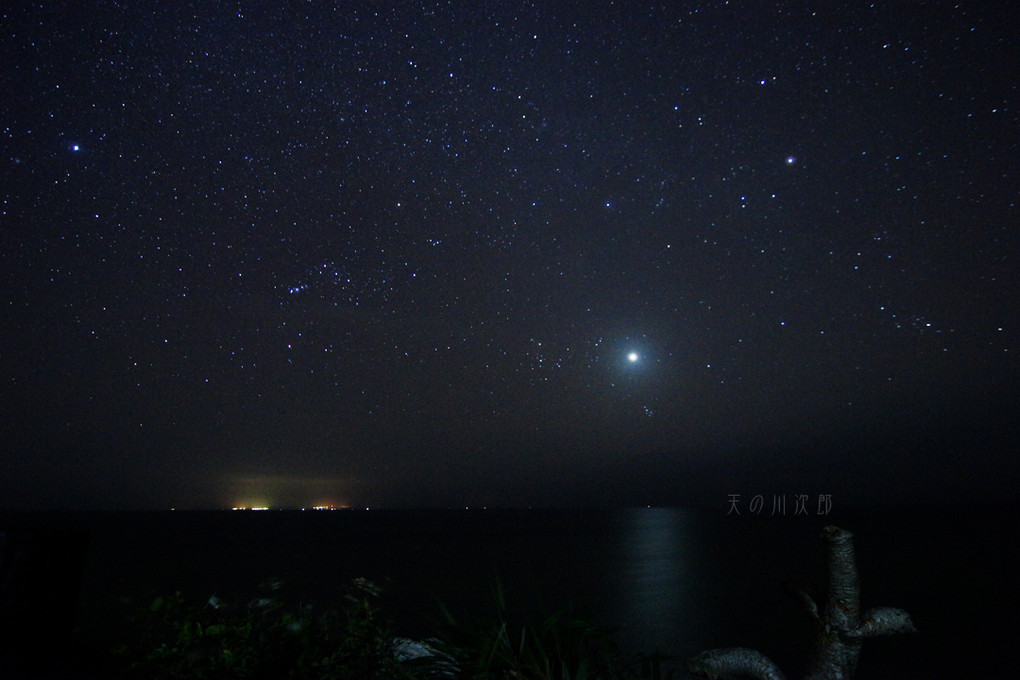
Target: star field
444,252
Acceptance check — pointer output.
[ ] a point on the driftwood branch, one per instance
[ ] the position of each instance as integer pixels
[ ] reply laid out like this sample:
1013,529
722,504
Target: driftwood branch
883,621
841,628
734,662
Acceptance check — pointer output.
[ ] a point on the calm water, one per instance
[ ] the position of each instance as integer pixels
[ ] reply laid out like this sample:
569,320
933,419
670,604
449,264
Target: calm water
669,580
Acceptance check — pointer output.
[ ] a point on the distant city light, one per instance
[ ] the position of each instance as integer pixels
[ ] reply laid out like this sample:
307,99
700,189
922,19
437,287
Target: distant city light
331,506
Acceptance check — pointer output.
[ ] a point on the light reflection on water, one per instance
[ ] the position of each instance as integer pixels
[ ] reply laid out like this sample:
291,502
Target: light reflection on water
657,593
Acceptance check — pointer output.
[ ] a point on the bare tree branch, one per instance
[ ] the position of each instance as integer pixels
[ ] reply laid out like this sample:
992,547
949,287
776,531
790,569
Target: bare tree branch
735,662
840,629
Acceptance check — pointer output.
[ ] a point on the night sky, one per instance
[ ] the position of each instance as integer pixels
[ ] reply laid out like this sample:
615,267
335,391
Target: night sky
508,253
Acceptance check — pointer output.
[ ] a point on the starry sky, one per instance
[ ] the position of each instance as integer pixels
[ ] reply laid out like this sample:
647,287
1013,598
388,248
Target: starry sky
507,253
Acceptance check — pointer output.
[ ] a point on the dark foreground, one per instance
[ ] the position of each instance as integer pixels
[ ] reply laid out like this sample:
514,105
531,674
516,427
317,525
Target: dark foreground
669,582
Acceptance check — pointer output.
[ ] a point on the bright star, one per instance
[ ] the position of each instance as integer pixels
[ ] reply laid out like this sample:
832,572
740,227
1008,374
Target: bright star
790,160
633,357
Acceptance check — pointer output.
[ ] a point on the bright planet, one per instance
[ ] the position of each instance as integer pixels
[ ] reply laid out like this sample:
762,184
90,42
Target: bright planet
413,255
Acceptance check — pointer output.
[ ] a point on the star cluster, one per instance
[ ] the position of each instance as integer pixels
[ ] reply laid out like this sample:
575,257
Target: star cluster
487,246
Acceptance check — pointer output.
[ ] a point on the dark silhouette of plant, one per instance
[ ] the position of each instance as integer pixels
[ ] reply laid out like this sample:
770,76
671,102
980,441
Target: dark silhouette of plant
175,637
557,647
178,638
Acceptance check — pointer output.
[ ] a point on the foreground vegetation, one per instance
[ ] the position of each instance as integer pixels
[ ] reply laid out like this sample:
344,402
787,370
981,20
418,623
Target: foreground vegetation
267,637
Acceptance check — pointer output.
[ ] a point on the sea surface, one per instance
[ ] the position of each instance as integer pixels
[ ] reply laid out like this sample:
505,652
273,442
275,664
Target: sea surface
667,580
